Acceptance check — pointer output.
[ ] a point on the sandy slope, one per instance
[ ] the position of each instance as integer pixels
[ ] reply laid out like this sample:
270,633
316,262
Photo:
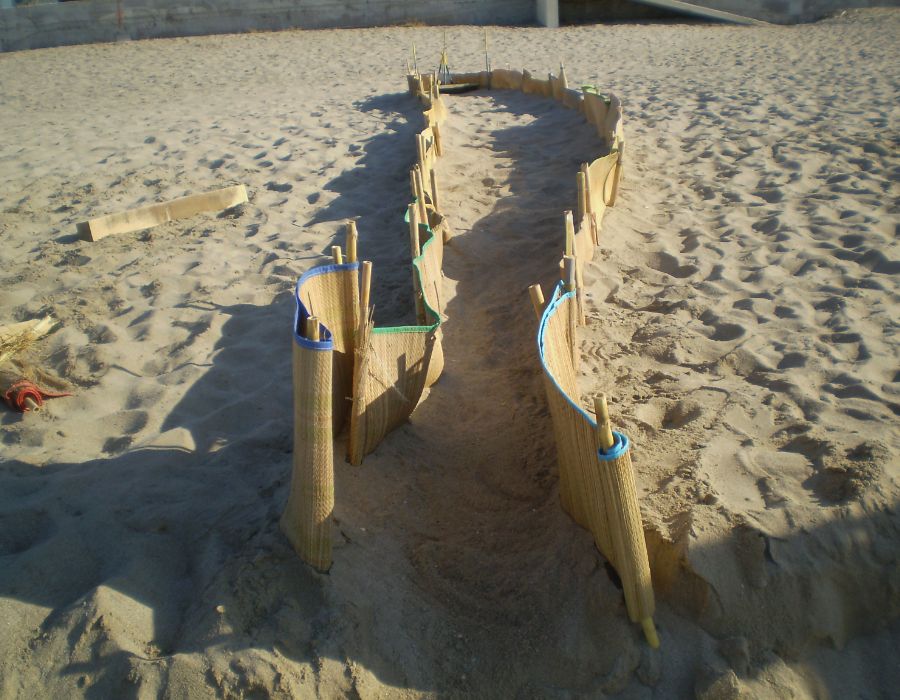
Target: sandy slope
742,312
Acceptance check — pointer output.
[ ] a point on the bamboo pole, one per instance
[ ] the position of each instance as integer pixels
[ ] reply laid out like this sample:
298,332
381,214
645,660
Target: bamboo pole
604,426
352,239
337,255
312,328
582,200
414,244
420,186
365,290
570,232
589,201
579,292
438,145
413,188
356,444
420,149
434,191
571,286
537,300
626,528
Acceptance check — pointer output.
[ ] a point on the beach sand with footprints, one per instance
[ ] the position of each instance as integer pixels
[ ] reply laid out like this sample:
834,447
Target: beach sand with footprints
741,310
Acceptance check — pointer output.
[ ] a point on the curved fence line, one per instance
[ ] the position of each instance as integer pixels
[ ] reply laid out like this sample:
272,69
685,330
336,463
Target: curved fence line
339,352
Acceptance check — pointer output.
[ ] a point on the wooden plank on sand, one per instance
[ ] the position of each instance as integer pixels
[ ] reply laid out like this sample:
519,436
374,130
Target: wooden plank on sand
156,214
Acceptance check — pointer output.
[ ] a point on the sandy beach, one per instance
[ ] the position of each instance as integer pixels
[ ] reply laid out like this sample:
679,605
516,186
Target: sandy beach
742,316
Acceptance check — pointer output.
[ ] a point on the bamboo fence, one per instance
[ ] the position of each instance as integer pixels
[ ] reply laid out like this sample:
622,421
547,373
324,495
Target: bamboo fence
347,370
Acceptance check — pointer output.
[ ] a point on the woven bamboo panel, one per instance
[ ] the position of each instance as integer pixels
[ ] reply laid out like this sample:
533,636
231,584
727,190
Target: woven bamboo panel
331,293
506,79
595,109
599,494
534,86
603,174
306,520
398,365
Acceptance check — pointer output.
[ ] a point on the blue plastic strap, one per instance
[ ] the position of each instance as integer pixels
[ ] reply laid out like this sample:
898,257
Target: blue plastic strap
325,341
620,447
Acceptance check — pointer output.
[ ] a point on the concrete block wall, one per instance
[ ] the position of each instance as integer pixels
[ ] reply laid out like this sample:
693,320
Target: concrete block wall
89,21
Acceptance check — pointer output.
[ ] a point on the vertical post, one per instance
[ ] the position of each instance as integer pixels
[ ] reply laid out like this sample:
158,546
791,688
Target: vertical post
582,201
434,192
571,286
438,146
589,201
365,291
413,187
420,149
414,244
420,196
579,290
337,255
537,300
351,241
356,444
570,233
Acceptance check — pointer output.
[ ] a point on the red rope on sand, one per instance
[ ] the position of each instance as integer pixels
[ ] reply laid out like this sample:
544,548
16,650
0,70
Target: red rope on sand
23,389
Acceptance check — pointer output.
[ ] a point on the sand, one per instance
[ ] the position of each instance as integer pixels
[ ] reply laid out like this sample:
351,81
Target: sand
742,317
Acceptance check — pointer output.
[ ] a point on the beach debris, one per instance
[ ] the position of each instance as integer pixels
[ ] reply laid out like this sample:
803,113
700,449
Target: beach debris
23,395
18,337
161,213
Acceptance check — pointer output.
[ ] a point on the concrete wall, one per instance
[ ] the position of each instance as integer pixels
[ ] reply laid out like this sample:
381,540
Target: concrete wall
89,21
790,11
776,11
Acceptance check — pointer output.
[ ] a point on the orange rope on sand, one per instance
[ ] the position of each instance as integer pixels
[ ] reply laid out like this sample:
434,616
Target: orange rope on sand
18,394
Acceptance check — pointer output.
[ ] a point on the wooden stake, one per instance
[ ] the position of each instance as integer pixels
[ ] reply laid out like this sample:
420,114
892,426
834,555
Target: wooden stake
570,233
364,290
312,328
414,245
537,300
420,186
413,187
420,148
604,427
579,287
570,282
589,201
337,255
434,191
351,241
582,201
438,146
